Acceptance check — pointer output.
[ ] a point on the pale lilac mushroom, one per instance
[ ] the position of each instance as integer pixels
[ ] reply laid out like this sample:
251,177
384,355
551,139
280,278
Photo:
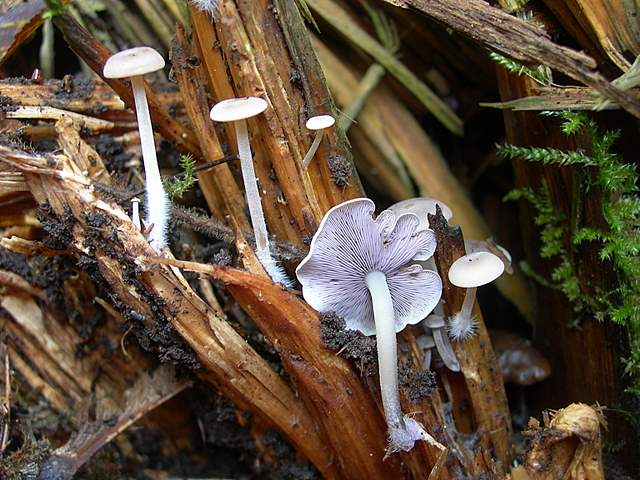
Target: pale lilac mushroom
362,269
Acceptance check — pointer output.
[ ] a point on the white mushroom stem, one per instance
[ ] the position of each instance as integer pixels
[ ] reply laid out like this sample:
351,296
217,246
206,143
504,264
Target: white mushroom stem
313,149
135,213
251,189
467,304
157,199
387,346
403,431
462,326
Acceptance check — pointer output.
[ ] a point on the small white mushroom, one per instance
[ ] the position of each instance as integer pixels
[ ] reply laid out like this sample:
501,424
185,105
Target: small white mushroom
319,124
135,212
421,206
471,271
236,111
490,246
437,325
426,343
133,64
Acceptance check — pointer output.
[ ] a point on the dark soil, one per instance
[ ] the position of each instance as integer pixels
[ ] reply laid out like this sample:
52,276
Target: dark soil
350,344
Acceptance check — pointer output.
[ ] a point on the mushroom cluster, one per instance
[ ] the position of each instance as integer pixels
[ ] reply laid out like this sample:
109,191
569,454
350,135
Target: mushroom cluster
363,269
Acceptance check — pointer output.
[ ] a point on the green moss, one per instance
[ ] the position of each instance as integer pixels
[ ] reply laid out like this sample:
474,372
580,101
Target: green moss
619,242
177,187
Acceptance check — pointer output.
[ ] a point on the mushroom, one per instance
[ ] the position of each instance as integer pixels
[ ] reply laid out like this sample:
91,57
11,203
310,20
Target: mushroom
490,246
471,271
134,63
436,324
421,206
135,212
358,268
237,110
519,361
426,343
318,123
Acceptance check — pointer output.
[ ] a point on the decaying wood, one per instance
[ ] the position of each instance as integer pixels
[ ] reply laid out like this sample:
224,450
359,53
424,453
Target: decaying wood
219,187
149,391
478,363
17,23
94,125
612,26
294,199
340,20
95,55
100,101
568,446
232,365
521,40
553,98
554,335
325,381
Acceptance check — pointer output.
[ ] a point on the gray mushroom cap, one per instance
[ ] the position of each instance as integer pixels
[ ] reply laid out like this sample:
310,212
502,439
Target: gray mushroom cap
349,244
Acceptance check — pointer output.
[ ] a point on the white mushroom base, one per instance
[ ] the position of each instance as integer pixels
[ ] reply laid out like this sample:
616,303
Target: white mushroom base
403,437
274,269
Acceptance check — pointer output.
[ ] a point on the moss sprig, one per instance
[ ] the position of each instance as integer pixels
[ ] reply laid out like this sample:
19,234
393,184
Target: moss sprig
177,187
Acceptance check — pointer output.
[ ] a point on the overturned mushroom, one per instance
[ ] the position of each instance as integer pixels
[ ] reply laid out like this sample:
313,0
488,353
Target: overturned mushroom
357,268
135,63
471,271
319,124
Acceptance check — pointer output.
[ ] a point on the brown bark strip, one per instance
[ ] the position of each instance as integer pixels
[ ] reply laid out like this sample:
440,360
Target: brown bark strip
95,55
352,421
477,360
251,50
101,102
218,185
520,40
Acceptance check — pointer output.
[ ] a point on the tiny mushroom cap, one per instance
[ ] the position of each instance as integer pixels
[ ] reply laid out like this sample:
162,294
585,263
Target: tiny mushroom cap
421,206
236,109
133,62
475,269
320,121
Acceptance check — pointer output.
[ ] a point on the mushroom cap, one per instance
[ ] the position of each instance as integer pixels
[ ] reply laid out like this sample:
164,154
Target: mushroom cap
519,361
235,109
421,206
348,245
475,269
133,62
320,121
